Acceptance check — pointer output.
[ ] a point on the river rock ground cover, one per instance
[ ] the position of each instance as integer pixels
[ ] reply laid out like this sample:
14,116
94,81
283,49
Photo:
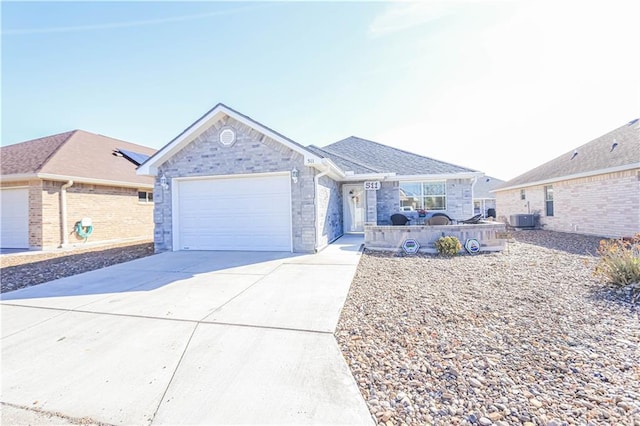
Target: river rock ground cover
20,270
527,336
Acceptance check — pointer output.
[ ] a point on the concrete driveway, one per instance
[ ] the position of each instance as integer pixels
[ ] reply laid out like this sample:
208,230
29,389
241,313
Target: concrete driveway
185,338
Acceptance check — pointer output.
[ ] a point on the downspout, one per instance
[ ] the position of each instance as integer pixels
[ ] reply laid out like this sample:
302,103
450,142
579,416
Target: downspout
63,212
316,184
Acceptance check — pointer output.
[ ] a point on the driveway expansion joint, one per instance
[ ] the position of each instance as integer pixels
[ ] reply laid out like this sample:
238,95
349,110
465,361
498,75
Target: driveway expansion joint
173,375
202,321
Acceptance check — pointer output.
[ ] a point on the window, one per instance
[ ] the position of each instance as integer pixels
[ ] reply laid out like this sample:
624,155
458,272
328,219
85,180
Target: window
145,197
548,200
423,195
523,196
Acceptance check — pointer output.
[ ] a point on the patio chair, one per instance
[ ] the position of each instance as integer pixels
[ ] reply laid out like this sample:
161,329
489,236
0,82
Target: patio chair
438,220
399,219
471,220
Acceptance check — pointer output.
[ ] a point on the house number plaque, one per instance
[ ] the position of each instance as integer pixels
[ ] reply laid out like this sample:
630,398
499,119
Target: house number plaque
371,185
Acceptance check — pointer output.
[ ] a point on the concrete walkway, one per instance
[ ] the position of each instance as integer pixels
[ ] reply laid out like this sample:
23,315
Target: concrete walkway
185,338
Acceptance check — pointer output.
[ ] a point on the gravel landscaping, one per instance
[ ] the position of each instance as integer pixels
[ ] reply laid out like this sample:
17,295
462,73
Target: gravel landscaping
527,336
21,270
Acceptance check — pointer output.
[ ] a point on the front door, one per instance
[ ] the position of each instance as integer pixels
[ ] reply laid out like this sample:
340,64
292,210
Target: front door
353,205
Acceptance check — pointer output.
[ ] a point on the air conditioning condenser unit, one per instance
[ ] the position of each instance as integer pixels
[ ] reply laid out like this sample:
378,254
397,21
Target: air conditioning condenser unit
522,221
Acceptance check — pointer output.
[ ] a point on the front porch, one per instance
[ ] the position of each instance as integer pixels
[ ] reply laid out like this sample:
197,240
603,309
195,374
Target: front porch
492,236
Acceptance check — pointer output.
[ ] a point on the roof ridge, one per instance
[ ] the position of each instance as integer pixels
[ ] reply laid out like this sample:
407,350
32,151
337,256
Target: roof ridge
52,154
114,139
407,152
602,136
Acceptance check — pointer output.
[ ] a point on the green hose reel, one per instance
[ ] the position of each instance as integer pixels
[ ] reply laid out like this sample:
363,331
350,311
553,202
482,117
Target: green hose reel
84,228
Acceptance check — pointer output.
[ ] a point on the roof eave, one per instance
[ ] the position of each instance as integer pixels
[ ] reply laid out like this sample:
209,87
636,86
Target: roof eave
369,176
439,176
78,179
17,177
328,166
569,177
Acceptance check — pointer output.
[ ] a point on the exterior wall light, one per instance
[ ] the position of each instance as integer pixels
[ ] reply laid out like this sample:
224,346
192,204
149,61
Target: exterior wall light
163,182
294,175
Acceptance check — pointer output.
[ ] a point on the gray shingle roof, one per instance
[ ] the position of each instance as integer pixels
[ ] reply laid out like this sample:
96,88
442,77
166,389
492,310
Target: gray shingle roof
386,159
344,163
620,147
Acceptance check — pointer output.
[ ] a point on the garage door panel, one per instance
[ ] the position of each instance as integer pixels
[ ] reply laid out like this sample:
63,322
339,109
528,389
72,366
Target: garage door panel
14,220
249,213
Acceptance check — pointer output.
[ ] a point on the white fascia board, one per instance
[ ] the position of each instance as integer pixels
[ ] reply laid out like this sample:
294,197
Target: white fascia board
64,178
18,177
370,176
326,166
309,157
150,167
440,176
105,182
570,177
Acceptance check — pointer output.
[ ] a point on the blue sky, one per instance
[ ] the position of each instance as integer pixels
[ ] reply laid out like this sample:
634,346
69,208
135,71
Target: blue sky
497,86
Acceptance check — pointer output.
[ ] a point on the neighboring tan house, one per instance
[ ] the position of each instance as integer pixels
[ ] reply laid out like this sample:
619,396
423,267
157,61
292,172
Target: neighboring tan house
50,184
594,189
230,183
484,200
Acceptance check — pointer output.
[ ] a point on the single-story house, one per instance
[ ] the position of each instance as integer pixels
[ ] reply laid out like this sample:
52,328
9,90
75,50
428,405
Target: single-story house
593,189
49,185
484,200
228,182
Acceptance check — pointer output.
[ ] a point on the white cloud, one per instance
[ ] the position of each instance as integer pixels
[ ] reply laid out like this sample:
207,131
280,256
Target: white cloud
400,16
126,24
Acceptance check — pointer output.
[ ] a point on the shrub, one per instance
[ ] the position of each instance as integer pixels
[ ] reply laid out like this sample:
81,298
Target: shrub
619,262
448,246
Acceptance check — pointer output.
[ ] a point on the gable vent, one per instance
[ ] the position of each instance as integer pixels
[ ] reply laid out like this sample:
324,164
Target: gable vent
227,137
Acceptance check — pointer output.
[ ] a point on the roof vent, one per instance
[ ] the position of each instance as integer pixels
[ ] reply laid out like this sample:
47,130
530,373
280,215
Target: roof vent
632,122
575,154
613,146
227,137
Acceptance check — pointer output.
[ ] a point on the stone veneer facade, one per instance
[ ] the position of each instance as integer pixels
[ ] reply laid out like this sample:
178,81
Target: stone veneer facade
252,152
330,213
605,205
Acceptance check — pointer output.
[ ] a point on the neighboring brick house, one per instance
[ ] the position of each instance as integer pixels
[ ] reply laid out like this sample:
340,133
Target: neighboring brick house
50,184
230,183
594,189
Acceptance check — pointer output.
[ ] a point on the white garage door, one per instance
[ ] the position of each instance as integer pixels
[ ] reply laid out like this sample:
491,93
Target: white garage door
248,213
14,220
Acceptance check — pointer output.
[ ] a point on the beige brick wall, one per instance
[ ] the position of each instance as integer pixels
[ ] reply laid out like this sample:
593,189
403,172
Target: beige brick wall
605,205
35,214
115,212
